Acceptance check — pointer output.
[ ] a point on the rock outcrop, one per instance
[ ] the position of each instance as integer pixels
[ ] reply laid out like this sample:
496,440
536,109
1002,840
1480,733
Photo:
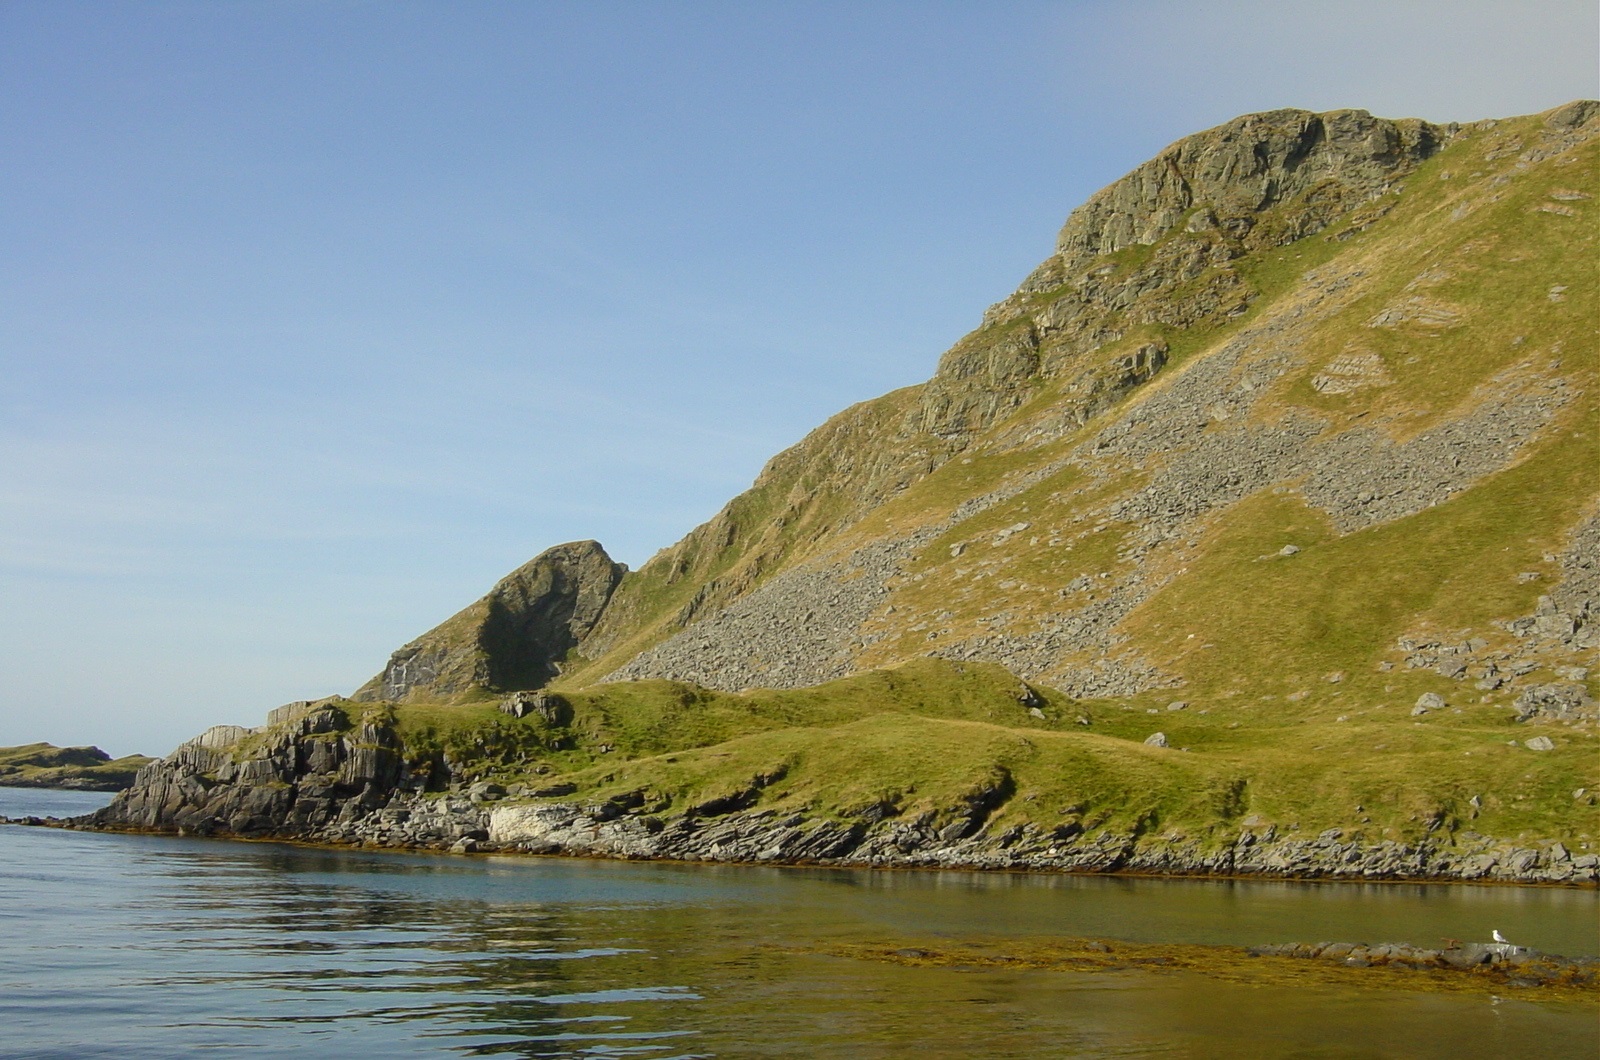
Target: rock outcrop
1497,962
515,637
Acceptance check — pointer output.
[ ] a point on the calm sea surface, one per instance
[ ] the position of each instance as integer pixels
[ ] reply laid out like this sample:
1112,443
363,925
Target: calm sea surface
127,946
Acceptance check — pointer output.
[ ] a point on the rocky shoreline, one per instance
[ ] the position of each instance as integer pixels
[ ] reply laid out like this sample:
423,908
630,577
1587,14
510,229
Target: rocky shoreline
1454,965
458,825
356,789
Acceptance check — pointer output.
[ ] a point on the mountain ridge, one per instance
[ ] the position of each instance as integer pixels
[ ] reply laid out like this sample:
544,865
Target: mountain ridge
1258,180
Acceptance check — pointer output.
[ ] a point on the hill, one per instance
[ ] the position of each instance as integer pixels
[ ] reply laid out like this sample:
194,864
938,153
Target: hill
1267,507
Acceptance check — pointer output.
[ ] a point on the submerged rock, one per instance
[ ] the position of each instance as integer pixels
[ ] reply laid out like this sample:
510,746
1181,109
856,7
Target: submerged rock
1502,962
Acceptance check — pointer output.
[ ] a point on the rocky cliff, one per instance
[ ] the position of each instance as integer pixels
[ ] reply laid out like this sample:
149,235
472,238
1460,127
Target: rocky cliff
516,636
1257,530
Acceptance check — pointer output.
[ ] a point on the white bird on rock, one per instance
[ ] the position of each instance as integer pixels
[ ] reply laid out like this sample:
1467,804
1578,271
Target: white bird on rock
1500,938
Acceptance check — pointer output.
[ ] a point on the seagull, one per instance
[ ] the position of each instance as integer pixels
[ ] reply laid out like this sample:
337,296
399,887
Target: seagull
1499,937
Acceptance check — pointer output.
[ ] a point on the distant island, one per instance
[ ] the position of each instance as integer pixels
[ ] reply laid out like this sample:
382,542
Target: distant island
44,765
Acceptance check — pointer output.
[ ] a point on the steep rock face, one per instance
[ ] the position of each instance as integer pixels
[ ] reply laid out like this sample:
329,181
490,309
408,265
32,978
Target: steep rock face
310,765
514,637
1259,181
1326,163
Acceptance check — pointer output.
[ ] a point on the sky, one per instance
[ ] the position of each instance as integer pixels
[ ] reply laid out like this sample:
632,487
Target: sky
318,318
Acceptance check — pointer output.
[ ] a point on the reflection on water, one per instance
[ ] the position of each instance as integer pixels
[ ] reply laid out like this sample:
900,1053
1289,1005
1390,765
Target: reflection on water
136,946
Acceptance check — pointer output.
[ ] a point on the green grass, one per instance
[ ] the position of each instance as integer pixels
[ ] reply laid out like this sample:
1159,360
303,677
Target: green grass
925,737
1246,618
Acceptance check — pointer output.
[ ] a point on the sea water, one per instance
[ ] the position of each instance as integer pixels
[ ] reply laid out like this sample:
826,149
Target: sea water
139,946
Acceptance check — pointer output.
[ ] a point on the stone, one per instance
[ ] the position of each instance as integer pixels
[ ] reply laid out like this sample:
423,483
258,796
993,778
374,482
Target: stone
486,791
1561,700
1289,550
1350,372
1180,704
1429,701
552,709
1539,743
1158,739
1005,535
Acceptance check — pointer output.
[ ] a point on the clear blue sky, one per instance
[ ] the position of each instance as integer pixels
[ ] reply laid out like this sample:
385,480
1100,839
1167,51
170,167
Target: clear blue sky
317,318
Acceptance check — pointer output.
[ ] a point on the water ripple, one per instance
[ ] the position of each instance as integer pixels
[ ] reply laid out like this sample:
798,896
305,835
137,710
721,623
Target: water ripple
138,947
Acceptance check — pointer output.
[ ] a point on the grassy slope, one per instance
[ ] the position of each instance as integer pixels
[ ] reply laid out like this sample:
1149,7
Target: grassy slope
1502,259
925,736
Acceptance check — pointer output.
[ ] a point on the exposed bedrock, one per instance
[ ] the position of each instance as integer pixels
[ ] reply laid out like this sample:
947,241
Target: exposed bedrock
515,637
